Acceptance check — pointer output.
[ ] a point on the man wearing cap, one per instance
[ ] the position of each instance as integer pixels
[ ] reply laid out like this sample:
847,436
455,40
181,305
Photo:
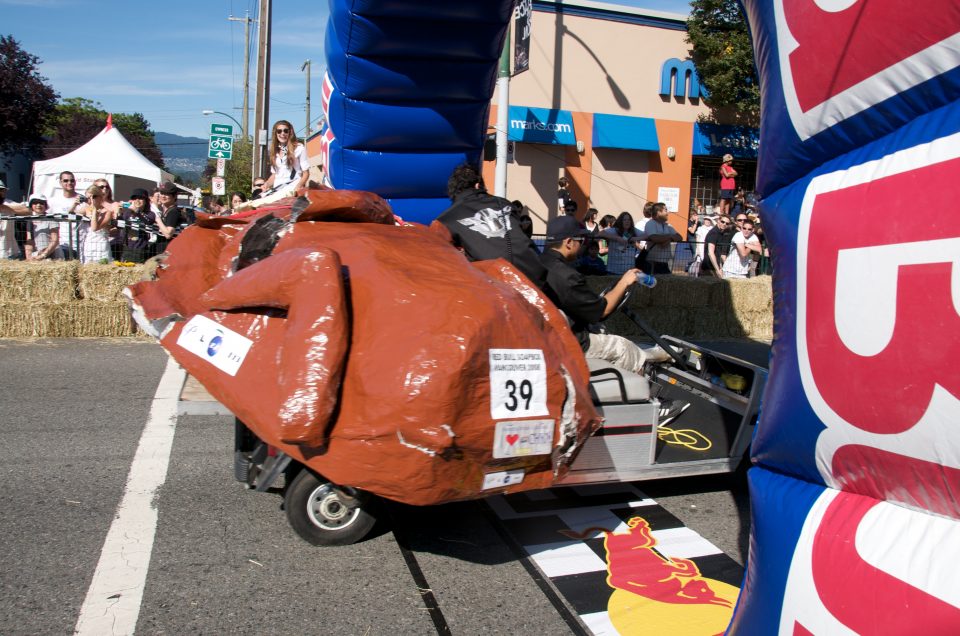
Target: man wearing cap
486,227
133,244
728,183
171,217
568,290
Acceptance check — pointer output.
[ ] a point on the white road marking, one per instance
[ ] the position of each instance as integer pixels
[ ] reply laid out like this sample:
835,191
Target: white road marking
112,605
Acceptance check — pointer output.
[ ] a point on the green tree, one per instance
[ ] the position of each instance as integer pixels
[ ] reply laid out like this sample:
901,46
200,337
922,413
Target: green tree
77,120
723,54
27,101
237,171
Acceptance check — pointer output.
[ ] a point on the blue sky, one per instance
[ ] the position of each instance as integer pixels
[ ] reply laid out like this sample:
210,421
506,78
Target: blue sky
170,60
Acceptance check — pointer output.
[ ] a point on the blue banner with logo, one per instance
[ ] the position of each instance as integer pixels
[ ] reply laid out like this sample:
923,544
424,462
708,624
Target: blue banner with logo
531,125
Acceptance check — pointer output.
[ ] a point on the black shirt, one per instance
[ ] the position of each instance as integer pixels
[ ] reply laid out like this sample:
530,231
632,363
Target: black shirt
721,242
486,227
568,290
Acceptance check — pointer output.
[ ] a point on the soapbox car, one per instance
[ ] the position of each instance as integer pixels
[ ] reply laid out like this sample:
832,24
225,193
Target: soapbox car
715,400
359,372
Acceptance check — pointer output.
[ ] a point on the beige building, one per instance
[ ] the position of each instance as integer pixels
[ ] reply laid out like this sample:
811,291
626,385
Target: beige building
611,101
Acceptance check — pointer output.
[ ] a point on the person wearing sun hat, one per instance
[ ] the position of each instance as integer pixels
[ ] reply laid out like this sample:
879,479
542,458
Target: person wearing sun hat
46,234
728,184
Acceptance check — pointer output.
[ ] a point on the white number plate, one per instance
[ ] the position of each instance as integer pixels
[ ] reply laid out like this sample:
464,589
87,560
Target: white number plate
518,383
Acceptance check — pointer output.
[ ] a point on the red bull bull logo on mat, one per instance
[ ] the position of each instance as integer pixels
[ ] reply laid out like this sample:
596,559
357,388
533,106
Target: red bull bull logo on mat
840,57
658,594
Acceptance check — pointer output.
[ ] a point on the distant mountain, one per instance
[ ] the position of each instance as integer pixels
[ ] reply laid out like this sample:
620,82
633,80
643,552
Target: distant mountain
183,156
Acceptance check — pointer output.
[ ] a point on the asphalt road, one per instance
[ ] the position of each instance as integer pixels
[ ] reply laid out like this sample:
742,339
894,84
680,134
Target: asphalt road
224,559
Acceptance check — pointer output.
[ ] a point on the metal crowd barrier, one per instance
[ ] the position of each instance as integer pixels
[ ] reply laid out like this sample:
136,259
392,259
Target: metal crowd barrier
71,247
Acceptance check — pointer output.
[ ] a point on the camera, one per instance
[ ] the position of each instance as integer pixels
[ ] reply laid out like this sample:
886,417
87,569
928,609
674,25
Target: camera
82,199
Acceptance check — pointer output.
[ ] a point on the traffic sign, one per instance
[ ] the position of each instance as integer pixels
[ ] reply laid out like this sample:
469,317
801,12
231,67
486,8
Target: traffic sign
221,147
219,185
221,129
221,167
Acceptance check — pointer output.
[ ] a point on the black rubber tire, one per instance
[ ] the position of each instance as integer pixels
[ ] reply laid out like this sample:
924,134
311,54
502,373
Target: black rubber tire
320,515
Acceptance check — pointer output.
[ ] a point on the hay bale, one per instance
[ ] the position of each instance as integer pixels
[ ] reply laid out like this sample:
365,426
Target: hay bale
686,291
750,306
21,320
77,319
43,282
106,282
687,307
88,319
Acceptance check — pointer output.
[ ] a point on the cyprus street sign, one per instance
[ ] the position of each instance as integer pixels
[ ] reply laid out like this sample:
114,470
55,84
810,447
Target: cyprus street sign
221,141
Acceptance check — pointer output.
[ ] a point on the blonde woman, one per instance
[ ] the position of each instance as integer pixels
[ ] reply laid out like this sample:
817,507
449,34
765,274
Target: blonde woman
290,166
96,244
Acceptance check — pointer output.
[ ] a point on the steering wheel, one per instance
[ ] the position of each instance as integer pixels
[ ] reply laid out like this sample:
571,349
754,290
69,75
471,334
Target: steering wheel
623,301
647,329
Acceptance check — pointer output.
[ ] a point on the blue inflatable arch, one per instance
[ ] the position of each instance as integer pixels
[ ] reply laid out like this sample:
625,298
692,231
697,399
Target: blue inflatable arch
856,486
407,95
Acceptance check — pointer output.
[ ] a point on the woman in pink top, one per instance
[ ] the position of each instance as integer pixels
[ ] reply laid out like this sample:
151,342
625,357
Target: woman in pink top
728,183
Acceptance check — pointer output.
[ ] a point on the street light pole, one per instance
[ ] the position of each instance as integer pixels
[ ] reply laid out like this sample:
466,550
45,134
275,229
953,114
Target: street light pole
306,65
503,118
246,69
211,112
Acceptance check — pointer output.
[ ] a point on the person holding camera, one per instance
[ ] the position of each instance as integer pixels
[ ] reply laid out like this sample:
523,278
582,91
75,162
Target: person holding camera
96,243
66,202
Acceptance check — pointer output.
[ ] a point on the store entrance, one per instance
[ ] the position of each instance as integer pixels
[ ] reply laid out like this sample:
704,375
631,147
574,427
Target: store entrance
705,180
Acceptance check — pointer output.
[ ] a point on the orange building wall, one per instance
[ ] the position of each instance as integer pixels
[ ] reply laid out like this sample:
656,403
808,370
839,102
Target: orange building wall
673,173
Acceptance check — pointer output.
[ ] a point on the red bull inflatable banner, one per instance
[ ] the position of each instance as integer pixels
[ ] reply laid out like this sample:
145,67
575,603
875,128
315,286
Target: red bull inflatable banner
856,484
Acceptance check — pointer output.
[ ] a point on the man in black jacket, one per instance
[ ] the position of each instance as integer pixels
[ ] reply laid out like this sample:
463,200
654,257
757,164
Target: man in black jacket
568,290
487,227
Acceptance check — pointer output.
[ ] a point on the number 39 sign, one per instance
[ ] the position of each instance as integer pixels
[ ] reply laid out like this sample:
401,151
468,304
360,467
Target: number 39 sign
518,383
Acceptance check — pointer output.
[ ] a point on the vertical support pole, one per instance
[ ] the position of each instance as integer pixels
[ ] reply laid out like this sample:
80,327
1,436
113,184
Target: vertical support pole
503,118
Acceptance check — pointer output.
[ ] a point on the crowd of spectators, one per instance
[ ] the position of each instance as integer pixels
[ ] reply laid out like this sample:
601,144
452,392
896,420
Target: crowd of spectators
723,246
93,227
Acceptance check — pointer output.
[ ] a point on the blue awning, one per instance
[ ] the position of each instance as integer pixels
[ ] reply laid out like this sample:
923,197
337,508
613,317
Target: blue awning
716,140
629,133
541,126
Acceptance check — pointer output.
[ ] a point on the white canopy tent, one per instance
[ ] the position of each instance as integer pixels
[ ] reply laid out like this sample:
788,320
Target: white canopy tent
107,156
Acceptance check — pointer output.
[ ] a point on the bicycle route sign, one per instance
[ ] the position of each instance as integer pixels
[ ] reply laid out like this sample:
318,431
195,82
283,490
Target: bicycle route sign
221,142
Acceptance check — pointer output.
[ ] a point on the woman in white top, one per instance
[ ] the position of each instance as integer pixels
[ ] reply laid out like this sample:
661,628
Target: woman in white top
290,165
96,244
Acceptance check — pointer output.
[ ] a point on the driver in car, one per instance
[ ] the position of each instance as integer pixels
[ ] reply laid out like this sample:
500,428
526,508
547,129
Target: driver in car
568,290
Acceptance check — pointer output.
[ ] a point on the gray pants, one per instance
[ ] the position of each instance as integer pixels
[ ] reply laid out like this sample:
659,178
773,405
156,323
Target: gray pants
618,351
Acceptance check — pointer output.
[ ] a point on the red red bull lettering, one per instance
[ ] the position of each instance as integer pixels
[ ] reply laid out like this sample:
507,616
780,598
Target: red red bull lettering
877,318
856,568
840,57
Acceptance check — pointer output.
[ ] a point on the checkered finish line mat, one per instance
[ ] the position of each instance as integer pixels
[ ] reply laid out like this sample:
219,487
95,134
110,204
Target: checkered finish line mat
623,563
